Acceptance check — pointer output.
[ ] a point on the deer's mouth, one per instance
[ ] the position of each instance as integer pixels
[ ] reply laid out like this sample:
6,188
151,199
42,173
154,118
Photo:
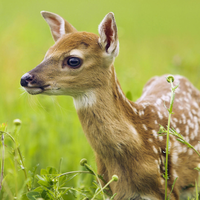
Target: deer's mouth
37,90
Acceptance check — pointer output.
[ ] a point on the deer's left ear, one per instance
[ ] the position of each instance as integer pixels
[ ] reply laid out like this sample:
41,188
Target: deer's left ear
108,35
57,24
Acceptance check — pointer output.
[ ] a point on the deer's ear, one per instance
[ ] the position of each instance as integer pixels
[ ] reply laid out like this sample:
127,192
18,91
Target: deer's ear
108,35
58,25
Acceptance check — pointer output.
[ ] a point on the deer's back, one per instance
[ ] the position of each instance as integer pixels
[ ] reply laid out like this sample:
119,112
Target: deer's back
185,120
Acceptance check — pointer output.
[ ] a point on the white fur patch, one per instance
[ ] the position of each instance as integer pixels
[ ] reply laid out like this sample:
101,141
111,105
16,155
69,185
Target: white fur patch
145,127
175,175
141,112
85,100
160,115
158,101
150,140
155,134
160,138
174,157
190,151
155,150
133,130
76,53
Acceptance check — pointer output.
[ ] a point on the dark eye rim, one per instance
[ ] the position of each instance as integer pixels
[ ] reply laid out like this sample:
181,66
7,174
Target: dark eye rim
65,62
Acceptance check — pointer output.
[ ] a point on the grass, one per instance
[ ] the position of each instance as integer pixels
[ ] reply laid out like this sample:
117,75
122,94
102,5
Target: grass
155,38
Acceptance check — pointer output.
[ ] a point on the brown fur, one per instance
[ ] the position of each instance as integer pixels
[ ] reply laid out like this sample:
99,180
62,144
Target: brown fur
122,133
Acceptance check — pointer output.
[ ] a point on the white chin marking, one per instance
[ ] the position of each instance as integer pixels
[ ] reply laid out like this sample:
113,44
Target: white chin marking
85,100
33,91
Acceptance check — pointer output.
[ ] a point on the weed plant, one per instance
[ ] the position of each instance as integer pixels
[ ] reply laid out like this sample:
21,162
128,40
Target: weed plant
51,183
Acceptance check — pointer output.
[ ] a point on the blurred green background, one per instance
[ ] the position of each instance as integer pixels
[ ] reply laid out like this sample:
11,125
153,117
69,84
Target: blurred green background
156,37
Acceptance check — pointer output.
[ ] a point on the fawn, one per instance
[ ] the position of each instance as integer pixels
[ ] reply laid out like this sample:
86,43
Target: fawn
122,133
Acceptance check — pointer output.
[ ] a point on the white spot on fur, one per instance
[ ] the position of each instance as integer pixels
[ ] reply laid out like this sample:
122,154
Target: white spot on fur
189,90
158,166
176,120
160,138
150,140
162,181
169,94
190,152
187,83
166,114
186,99
184,150
187,106
144,126
196,126
180,99
145,104
155,134
173,124
134,110
194,112
187,139
175,174
155,150
174,157
133,130
85,100
180,107
187,130
197,147
141,112
191,116
192,136
178,130
160,116
195,104
184,118
165,98
158,101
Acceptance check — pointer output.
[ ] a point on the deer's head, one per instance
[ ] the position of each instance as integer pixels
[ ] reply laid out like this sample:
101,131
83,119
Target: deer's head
77,62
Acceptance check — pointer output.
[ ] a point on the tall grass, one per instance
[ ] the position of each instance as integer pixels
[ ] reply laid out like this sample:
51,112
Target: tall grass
155,38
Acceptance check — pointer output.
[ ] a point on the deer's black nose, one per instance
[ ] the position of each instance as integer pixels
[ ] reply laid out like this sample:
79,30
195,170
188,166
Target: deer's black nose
26,78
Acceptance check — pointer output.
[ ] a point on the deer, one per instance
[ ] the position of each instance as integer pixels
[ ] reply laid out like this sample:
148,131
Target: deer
122,133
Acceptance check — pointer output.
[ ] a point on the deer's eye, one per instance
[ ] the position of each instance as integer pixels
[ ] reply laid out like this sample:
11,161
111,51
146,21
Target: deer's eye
72,62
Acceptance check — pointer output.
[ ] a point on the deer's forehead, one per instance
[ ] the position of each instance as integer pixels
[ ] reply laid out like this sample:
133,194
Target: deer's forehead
80,40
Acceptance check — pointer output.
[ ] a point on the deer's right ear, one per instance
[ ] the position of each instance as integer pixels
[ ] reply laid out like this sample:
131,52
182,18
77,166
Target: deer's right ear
57,24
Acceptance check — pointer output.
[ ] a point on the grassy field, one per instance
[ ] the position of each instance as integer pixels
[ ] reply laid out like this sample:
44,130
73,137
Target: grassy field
156,37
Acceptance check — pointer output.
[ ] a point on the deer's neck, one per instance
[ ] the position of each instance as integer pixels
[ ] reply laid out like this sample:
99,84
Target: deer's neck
107,119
